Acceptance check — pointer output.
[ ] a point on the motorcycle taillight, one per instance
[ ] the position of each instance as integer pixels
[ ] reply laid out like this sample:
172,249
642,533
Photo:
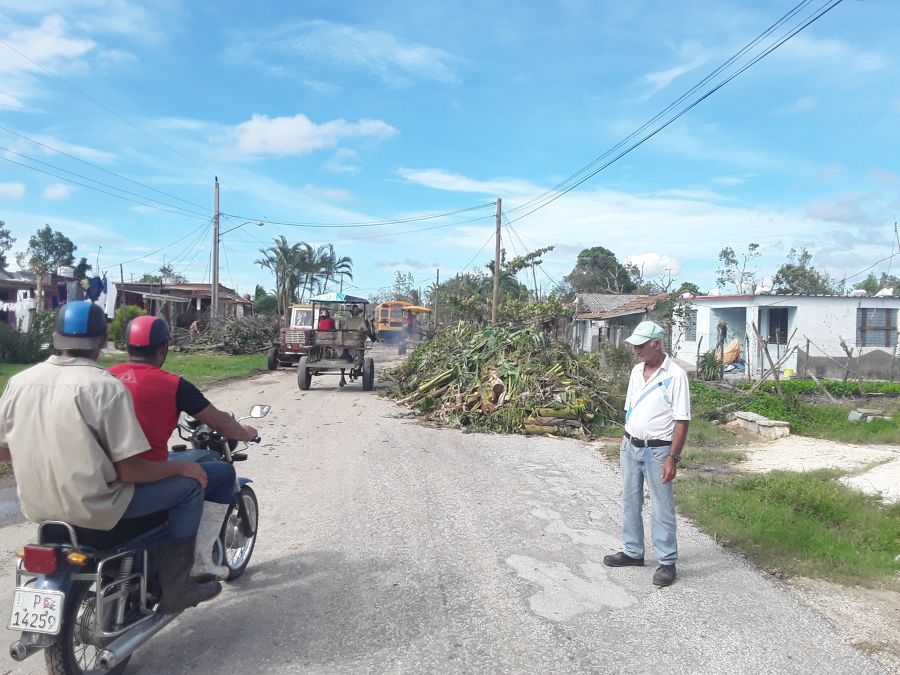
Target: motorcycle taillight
40,559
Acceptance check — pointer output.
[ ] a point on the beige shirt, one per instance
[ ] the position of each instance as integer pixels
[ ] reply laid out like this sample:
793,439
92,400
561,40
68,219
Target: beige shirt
66,421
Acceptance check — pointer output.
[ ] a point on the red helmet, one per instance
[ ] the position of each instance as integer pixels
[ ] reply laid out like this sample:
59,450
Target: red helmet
147,331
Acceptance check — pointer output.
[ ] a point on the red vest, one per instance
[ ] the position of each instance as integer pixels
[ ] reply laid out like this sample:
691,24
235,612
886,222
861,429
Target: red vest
153,391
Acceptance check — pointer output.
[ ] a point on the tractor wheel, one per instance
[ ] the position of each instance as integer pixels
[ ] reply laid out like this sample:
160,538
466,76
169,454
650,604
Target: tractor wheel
273,358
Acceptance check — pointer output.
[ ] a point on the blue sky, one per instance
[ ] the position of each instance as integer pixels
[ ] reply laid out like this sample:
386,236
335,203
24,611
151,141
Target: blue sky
341,113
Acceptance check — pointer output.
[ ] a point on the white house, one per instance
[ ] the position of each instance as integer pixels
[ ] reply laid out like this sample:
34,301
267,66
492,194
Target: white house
815,324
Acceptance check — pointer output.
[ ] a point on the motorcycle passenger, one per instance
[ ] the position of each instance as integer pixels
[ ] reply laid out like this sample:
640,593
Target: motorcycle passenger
159,398
70,430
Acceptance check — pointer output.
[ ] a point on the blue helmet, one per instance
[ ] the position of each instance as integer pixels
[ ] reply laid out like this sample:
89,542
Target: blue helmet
80,325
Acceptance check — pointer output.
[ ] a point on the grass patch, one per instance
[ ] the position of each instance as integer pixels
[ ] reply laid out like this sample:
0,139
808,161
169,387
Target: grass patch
7,370
798,524
205,369
201,369
694,457
807,418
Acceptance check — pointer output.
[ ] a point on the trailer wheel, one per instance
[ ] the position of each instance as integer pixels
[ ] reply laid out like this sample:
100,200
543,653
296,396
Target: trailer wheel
368,375
303,374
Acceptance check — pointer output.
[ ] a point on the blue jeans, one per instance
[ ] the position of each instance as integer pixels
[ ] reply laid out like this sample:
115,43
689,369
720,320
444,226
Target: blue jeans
220,476
638,465
181,497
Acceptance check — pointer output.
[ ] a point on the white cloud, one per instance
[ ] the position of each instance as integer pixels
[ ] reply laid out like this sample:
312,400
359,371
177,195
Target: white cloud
81,151
655,265
12,190
805,50
45,44
10,102
691,56
342,161
734,180
57,191
393,61
329,194
452,182
406,264
804,104
846,209
298,135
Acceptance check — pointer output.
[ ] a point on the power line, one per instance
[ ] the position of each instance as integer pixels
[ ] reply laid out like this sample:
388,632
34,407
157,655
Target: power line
572,185
489,239
92,180
96,166
377,223
162,248
106,192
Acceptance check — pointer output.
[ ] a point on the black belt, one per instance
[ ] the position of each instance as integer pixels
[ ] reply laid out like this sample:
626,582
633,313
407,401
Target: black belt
649,443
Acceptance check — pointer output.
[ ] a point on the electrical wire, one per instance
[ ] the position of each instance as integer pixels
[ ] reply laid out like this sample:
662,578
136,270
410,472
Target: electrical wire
478,253
162,248
378,223
831,4
106,192
107,185
98,167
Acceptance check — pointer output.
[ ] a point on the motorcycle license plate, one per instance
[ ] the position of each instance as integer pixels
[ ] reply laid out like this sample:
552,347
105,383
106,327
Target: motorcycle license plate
37,611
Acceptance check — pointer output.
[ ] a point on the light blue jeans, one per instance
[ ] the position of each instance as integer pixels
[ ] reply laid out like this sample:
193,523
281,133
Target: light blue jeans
638,465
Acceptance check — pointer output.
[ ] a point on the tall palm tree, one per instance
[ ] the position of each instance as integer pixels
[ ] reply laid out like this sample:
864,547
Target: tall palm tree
334,265
282,259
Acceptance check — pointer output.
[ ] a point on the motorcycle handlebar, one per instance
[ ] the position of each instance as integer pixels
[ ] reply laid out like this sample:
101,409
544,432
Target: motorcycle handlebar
257,439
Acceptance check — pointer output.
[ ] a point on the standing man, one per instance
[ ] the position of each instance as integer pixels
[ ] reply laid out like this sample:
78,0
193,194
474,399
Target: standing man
657,415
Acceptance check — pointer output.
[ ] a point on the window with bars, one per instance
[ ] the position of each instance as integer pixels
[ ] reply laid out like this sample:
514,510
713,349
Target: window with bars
690,326
778,325
876,327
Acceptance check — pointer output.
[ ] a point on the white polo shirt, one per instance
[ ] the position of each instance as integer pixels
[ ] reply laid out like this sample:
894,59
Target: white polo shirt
652,407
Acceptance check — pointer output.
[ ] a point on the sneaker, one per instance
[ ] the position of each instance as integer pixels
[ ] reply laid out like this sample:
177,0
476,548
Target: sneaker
664,575
621,559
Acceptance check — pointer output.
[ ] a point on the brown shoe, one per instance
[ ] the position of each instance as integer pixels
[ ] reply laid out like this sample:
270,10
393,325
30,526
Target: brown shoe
622,559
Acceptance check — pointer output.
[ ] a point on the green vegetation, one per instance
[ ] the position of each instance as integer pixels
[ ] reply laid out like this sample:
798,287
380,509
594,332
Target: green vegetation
201,369
816,420
204,369
798,524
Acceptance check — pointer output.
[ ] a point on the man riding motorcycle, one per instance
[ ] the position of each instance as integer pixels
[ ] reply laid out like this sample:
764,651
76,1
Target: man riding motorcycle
159,398
70,430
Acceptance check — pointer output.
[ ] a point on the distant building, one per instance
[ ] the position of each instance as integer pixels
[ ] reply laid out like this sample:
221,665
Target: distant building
601,317
181,304
810,327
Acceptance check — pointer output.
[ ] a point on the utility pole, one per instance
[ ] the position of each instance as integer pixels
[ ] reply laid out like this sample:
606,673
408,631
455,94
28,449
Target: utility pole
214,306
437,282
496,299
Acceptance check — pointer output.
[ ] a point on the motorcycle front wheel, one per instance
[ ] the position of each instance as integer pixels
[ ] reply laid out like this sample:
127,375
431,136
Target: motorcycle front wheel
76,650
239,545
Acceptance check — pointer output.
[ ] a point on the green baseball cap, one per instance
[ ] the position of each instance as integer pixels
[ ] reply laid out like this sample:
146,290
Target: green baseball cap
644,332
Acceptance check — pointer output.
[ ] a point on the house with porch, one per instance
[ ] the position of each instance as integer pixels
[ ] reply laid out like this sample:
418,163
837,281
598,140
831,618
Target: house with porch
601,317
807,328
181,304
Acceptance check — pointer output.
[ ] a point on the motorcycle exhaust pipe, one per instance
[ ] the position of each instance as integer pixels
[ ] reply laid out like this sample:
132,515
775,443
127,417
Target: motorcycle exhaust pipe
20,651
124,646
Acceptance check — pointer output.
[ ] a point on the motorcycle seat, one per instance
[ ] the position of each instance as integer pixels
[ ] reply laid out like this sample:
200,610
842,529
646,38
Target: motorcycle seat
124,531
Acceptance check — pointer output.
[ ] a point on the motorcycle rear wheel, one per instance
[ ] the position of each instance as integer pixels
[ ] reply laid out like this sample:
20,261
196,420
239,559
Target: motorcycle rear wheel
74,653
238,546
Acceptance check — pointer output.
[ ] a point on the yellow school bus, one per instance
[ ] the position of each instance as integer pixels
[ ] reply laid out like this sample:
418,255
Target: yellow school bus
390,320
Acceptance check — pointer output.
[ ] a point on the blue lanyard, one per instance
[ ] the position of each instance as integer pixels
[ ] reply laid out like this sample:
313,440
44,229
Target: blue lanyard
665,388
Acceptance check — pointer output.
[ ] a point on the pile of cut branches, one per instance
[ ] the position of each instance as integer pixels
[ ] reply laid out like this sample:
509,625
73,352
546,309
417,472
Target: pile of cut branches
235,335
505,380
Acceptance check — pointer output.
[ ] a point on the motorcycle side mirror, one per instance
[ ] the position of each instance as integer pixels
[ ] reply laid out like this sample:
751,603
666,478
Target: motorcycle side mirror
258,411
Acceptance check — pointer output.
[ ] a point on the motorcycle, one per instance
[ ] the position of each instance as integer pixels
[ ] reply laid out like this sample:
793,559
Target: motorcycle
88,598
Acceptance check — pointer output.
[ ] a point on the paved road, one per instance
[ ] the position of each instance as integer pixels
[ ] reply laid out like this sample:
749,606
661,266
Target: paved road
389,547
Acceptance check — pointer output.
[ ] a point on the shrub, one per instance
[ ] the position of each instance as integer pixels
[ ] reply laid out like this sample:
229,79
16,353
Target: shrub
30,346
708,366
116,329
